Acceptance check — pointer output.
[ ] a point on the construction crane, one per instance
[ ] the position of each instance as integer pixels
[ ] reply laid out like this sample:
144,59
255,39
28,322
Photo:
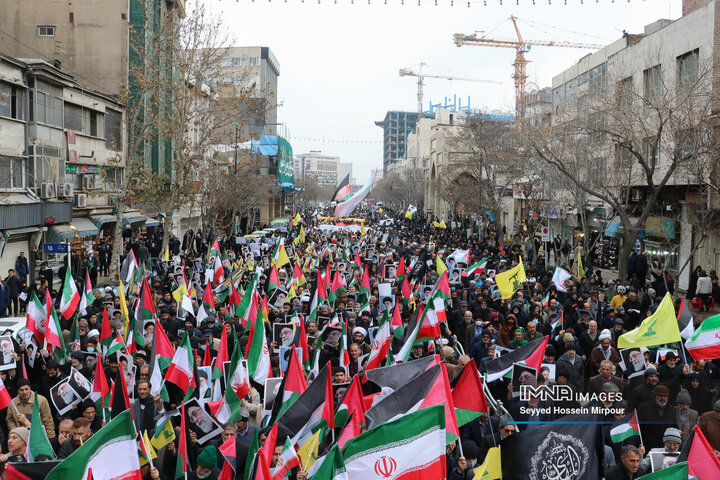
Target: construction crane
406,72
521,47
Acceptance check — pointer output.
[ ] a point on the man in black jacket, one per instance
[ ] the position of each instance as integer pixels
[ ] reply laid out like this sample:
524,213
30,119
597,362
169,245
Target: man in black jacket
13,285
655,417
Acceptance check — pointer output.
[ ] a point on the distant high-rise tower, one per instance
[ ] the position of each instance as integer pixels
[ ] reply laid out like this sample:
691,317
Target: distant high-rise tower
396,127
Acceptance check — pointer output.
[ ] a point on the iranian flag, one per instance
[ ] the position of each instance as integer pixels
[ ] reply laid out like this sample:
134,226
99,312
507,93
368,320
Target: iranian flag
247,310
218,269
545,300
161,357
364,290
625,430
398,329
381,345
468,395
36,318
238,384
53,334
180,371
411,447
705,341
287,461
435,310
4,396
330,466
477,267
87,298
258,353
111,453
70,296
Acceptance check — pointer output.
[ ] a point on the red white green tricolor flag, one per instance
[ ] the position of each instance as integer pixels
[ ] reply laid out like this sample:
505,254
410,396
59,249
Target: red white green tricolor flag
477,267
258,352
181,369
411,447
36,318
70,296
87,297
625,430
705,342
111,453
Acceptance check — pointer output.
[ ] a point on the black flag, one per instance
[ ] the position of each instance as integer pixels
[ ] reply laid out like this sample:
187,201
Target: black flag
568,448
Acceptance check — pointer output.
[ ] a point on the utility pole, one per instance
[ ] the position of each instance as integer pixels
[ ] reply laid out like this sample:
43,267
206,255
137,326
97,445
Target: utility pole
237,141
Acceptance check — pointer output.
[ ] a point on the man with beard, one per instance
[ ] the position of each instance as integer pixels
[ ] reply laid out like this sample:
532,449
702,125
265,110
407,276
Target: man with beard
145,407
655,416
80,434
604,351
643,393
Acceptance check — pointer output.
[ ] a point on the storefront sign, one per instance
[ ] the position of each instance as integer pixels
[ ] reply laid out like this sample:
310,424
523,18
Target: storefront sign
56,248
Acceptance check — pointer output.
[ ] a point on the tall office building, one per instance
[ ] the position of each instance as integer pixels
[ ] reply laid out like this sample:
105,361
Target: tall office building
325,169
396,127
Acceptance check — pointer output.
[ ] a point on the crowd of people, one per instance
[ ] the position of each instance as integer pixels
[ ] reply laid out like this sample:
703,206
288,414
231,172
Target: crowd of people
582,319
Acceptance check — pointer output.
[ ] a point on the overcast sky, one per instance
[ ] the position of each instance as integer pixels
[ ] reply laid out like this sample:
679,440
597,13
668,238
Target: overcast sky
339,62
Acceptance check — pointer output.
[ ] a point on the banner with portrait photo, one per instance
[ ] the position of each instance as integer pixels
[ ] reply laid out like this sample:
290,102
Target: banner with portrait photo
201,422
272,388
79,384
7,353
633,362
63,396
522,375
285,356
278,298
284,334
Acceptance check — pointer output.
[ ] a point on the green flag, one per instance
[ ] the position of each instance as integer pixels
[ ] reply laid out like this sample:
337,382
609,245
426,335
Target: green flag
38,443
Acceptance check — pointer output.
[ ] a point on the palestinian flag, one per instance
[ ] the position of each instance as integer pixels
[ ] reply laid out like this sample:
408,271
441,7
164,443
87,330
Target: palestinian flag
476,267
381,345
351,404
426,390
287,461
247,310
119,400
100,394
116,345
398,329
625,430
70,296
87,297
183,461
320,297
273,281
314,406
545,300
293,385
161,357
685,320
364,290
532,354
705,341
343,191
410,336
128,268
258,352
229,453
221,357
38,443
111,453
558,323
105,330
29,471
36,318
410,447
351,430
181,369
338,284
700,456
468,395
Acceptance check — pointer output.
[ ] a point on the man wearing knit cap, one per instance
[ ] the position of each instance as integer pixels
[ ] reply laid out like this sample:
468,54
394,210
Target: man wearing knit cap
643,393
20,414
672,441
709,423
604,351
17,443
206,465
686,417
655,416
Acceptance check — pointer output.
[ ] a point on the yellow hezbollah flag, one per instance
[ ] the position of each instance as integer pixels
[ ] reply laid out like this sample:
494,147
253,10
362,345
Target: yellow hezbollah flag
510,281
581,270
123,309
658,329
163,435
166,253
309,450
441,267
408,214
442,224
362,229
179,293
491,468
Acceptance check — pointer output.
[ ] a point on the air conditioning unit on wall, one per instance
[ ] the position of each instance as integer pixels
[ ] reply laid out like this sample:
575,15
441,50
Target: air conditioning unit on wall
80,200
65,190
47,190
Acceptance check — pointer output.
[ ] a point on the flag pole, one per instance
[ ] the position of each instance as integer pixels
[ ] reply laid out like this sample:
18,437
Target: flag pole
639,429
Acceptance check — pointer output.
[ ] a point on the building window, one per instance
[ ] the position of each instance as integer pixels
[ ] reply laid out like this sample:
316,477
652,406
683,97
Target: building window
84,120
12,172
624,92
48,105
652,153
46,31
11,101
651,82
113,178
597,76
254,61
687,68
113,130
231,62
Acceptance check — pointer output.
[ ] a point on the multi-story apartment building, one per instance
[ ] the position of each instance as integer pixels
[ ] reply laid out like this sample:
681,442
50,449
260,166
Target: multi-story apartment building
396,128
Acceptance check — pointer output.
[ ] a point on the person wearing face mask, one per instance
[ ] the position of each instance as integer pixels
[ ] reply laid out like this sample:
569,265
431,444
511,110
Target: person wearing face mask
655,416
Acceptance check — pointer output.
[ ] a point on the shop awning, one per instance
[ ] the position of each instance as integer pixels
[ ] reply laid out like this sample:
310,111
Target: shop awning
615,228
101,220
151,222
131,218
85,227
59,233
22,231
